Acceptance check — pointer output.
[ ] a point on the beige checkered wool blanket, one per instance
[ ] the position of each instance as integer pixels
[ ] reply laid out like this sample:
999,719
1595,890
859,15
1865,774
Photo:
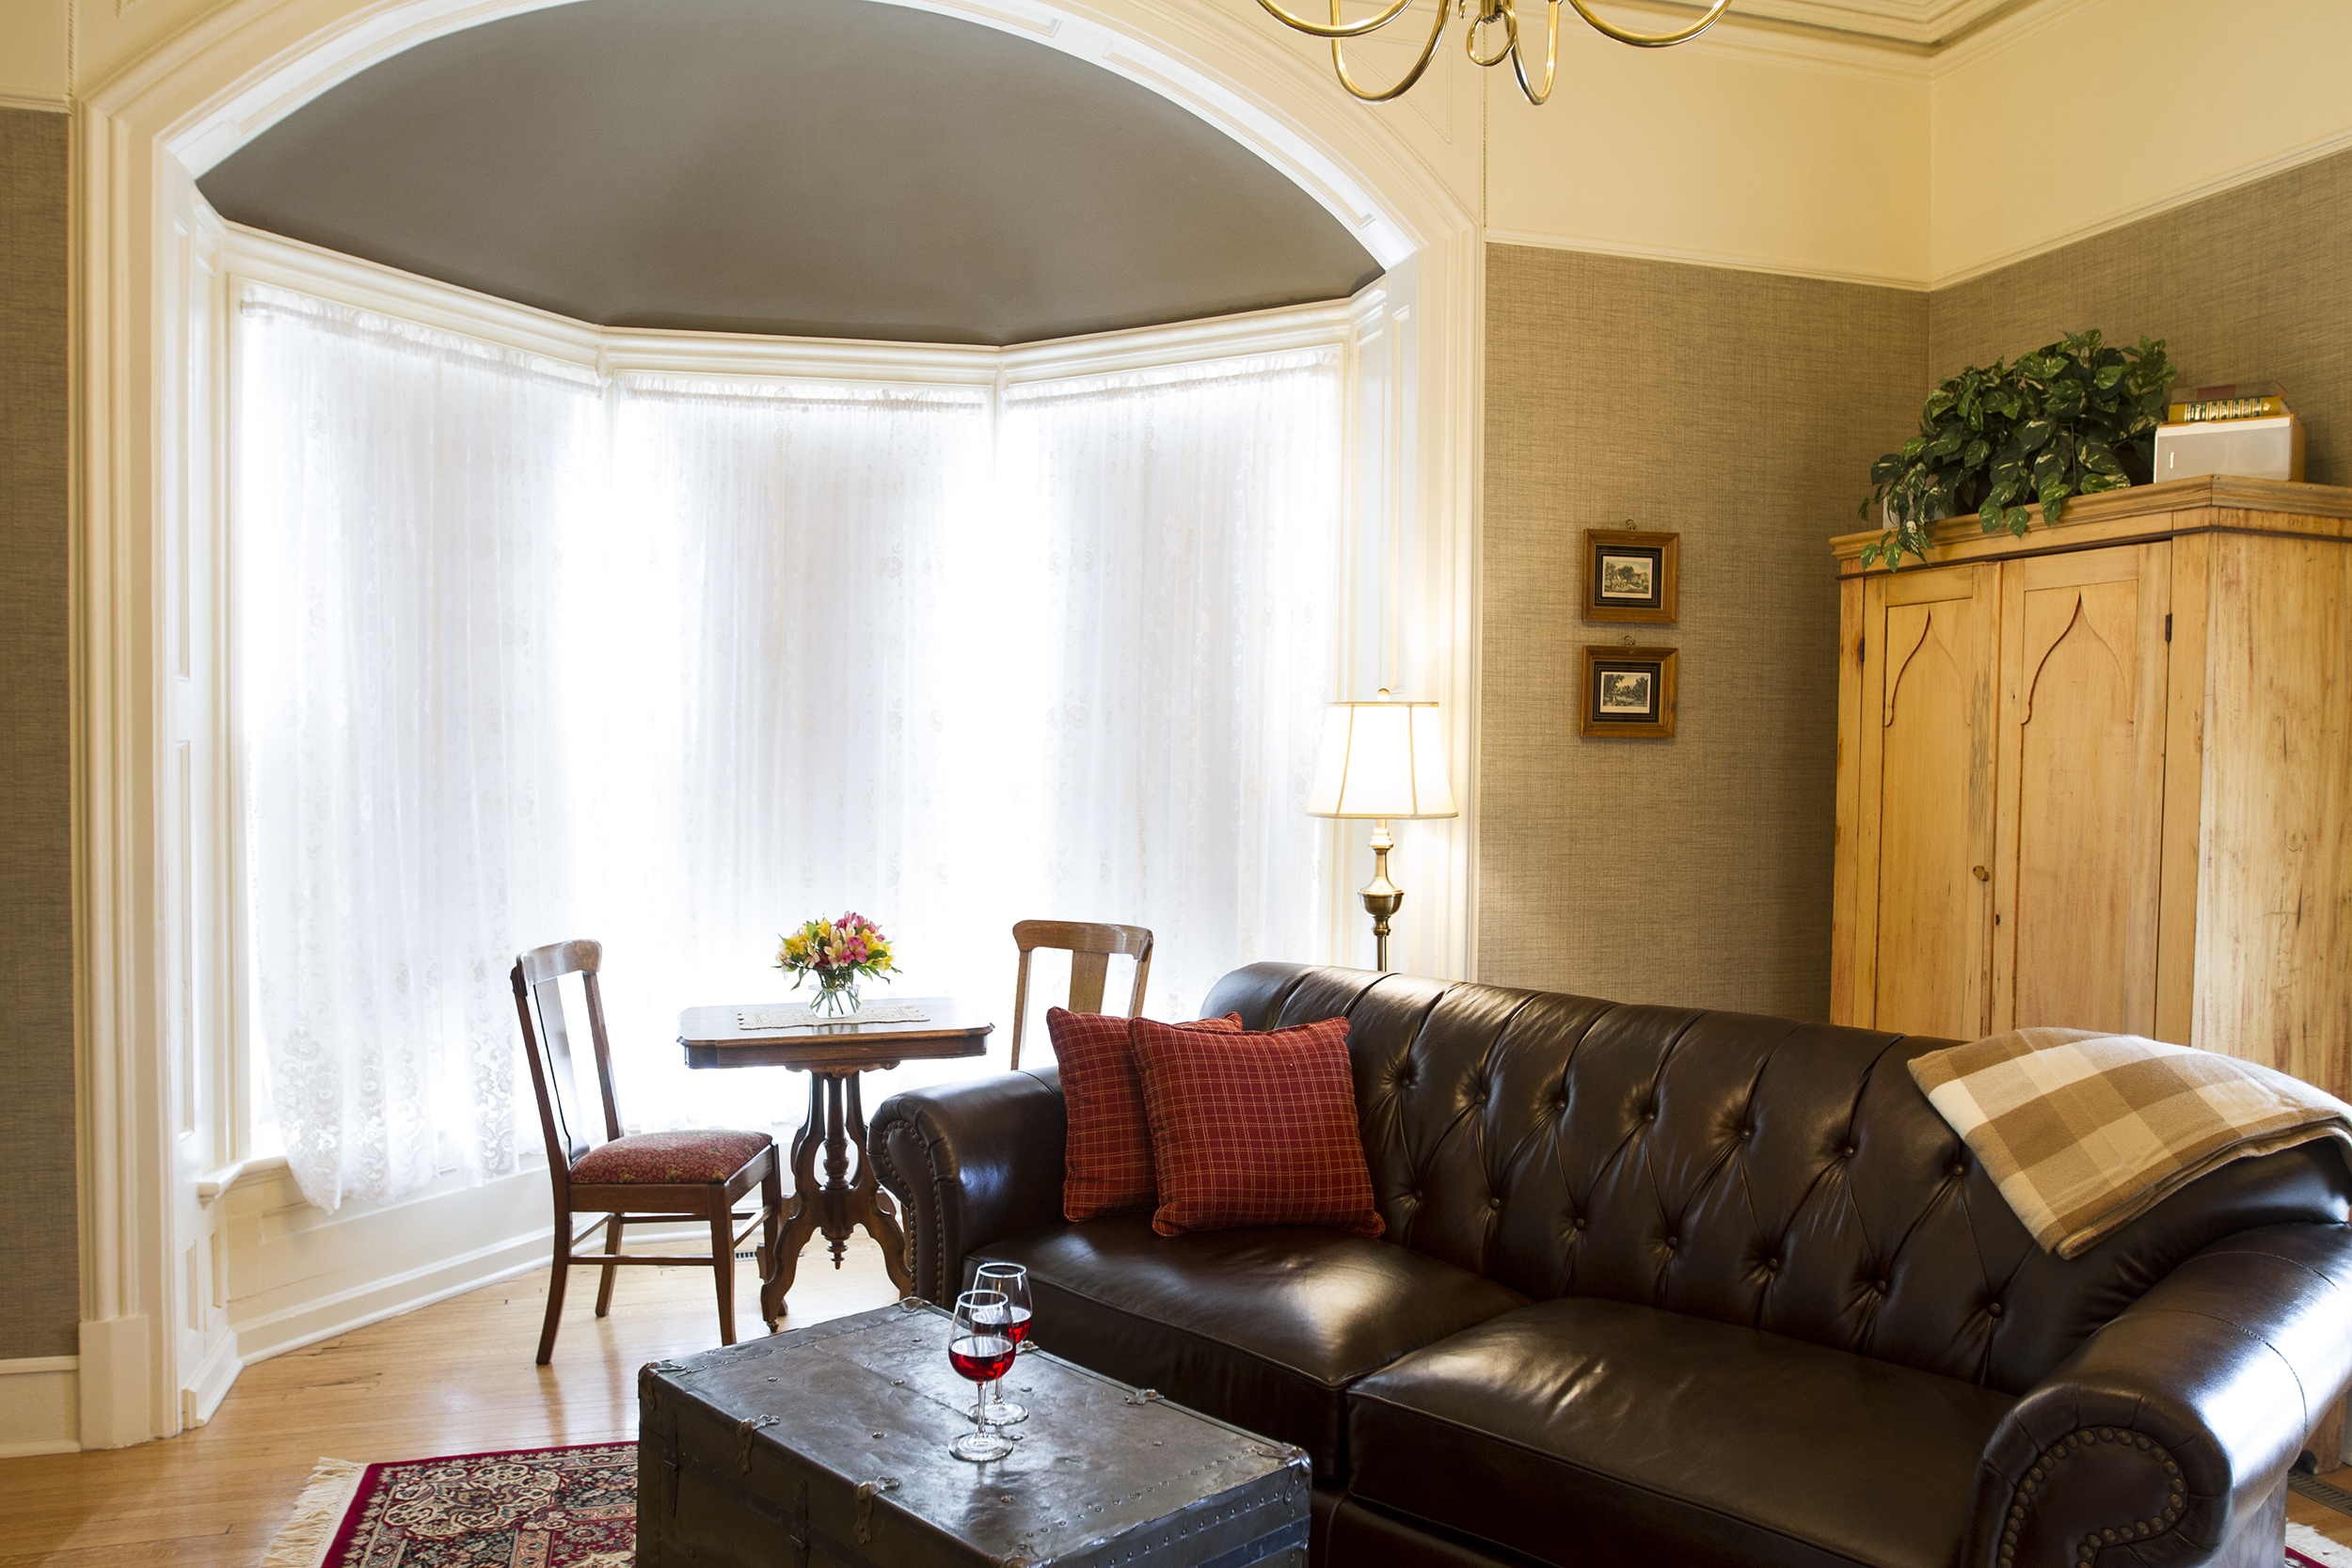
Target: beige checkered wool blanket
2084,1132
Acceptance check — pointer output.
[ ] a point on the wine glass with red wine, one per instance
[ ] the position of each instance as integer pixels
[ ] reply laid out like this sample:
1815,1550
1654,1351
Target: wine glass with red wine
980,1347
1011,1281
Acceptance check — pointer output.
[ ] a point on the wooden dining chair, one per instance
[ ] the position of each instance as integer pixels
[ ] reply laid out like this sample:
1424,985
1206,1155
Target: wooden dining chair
1091,947
647,1178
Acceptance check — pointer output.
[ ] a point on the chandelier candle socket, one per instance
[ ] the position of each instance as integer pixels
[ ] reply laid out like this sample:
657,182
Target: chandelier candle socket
1486,14
1381,760
838,954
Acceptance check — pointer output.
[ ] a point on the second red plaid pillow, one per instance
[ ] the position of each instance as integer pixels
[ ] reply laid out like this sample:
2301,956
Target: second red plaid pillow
1108,1169
1254,1129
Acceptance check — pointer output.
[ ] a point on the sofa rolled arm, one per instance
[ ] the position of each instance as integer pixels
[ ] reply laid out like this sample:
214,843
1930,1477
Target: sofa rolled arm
2166,1438
970,1164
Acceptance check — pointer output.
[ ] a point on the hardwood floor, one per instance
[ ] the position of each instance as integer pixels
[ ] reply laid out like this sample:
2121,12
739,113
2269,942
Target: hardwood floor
455,1377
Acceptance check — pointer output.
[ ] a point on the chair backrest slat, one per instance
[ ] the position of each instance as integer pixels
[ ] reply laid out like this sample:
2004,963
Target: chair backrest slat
539,1004
1091,947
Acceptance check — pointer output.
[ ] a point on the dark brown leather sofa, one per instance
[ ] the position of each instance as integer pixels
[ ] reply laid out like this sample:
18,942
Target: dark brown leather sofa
1665,1286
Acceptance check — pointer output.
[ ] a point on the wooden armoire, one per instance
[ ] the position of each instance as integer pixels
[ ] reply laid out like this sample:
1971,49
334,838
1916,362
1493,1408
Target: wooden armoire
2101,776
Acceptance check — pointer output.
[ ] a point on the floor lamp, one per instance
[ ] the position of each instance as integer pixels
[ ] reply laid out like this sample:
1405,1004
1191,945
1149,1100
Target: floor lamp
1382,760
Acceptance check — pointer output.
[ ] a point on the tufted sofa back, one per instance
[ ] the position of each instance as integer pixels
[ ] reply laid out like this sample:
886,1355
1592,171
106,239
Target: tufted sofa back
1790,1177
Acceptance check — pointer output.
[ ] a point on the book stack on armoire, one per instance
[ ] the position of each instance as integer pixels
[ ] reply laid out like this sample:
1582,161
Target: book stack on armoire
2100,776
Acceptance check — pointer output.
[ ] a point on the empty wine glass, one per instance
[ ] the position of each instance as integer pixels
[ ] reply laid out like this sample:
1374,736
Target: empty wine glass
980,1347
1011,1281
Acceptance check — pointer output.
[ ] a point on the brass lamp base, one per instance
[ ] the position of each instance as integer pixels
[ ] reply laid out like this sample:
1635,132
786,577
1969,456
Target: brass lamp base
1382,896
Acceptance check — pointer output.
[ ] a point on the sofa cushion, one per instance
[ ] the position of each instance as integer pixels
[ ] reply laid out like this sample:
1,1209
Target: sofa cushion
1584,1431
1263,1327
1252,1130
1107,1158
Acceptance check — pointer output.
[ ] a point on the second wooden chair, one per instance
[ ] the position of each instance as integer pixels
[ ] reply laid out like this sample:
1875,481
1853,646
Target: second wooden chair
1091,947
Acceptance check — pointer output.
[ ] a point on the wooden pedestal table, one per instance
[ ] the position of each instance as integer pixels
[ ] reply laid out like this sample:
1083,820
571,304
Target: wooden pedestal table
833,1054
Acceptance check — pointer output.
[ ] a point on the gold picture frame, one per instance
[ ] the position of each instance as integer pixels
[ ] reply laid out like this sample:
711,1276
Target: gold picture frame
1631,576
1628,693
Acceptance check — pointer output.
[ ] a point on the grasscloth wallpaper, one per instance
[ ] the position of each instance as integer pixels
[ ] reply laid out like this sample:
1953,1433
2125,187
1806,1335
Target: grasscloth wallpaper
40,1264
2253,284
1742,410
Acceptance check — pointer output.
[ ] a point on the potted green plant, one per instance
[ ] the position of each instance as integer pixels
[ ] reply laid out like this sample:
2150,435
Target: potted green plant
2073,418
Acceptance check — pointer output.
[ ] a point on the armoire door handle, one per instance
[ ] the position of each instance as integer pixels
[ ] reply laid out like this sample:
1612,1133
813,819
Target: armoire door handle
1980,874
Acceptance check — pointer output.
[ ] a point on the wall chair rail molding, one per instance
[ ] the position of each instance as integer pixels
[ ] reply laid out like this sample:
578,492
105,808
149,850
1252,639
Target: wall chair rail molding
168,90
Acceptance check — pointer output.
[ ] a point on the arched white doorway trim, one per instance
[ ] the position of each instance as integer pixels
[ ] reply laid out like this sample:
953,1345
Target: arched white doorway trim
150,781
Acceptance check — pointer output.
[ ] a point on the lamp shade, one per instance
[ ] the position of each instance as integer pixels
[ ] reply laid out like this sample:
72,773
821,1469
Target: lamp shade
1381,759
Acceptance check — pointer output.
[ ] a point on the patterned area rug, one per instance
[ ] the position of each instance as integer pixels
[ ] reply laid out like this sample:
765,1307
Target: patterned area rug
528,1508
565,1507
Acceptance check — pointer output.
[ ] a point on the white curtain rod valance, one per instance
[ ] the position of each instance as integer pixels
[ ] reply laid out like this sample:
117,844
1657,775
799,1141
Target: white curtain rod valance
1255,369
768,392
265,302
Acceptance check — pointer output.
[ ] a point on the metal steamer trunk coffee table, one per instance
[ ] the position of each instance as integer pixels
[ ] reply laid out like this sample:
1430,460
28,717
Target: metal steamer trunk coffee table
827,1447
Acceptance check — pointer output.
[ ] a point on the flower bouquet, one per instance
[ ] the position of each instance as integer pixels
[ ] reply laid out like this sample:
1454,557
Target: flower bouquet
839,953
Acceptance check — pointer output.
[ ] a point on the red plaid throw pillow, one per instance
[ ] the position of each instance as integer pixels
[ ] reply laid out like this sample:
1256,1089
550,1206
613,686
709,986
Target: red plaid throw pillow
1108,1168
1254,1129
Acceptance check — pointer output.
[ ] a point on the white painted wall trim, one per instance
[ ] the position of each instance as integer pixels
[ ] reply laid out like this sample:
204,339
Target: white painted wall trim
39,1405
1591,244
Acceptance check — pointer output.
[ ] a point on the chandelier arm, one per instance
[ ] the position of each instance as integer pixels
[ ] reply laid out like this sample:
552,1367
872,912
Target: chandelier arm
1551,59
1336,29
1649,40
1510,34
1428,51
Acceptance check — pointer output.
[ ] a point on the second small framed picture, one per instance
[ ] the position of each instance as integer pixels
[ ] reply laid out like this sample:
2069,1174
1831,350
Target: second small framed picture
1630,576
1629,691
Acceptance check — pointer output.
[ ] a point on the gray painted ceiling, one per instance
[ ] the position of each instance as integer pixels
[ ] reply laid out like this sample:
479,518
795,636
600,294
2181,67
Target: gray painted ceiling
823,168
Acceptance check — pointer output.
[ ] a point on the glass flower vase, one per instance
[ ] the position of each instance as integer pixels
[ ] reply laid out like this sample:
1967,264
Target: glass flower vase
837,994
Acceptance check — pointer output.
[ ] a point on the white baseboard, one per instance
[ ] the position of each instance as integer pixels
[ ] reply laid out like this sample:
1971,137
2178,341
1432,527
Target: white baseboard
293,1327
298,1274
41,1405
202,1393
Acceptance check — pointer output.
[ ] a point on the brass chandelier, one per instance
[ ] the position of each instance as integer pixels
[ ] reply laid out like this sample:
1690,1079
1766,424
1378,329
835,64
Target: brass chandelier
1487,14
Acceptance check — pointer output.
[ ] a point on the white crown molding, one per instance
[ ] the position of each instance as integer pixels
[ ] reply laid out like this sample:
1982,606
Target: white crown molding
1149,347
1923,29
58,106
2156,206
1598,247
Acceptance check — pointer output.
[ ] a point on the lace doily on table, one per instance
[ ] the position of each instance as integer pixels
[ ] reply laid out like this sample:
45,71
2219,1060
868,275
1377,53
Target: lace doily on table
801,1017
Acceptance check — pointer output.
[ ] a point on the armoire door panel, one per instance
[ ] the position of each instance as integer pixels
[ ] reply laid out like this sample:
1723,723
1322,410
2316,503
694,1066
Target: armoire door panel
1926,808
2080,790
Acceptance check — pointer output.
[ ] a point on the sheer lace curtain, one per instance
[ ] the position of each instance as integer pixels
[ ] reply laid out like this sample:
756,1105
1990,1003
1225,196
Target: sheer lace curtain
680,662
404,505
1183,527
797,653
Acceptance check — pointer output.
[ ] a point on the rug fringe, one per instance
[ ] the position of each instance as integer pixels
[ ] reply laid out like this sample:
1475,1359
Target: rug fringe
318,1513
2317,1547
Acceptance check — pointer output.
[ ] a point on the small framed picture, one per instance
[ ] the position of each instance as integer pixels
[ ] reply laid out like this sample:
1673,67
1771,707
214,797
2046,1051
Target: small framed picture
1630,576
1629,692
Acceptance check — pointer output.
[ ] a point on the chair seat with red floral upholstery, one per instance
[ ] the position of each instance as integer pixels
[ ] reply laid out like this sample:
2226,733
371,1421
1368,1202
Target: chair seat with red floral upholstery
670,1159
